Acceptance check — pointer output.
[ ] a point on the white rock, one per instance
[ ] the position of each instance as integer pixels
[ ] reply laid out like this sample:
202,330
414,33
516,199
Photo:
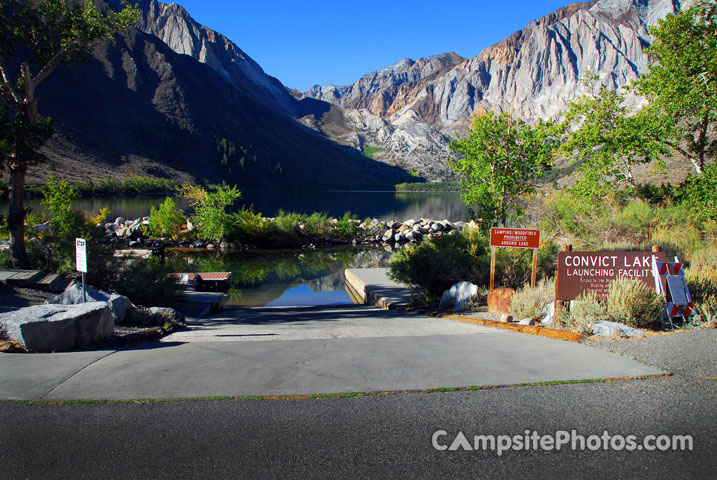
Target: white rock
58,328
459,296
608,329
527,321
119,304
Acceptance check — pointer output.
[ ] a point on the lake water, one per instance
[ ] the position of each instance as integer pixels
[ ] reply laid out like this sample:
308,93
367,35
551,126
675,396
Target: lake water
375,204
284,277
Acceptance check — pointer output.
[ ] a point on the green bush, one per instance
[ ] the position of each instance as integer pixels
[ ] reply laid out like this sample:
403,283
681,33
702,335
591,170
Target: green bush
58,206
167,220
432,266
212,220
529,302
702,281
584,312
147,283
634,303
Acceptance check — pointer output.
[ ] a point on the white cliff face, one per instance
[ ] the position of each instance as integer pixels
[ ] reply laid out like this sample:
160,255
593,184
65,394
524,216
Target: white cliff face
174,26
533,74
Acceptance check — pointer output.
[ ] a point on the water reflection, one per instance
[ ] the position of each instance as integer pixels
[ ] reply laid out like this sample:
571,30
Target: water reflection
284,277
382,205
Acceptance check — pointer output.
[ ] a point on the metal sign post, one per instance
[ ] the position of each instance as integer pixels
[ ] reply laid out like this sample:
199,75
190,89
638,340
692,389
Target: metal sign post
81,263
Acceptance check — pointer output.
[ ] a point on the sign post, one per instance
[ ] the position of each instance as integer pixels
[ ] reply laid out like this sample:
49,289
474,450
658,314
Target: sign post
514,238
81,263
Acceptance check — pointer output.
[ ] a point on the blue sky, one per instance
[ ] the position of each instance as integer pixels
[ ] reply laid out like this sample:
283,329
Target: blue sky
303,43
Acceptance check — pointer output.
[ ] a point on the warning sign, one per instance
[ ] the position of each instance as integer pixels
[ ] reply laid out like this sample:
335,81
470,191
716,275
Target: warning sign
514,237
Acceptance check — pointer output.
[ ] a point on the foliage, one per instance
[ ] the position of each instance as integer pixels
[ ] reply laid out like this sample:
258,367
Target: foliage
702,195
608,141
529,302
147,283
500,159
681,85
167,220
347,226
38,36
701,279
210,216
128,186
428,187
368,150
58,204
432,266
584,312
634,303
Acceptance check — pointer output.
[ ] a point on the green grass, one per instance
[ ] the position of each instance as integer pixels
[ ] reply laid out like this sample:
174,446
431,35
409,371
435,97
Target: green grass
429,187
322,396
368,151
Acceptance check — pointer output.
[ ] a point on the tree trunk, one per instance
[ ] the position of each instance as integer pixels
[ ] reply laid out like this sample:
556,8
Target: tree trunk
16,216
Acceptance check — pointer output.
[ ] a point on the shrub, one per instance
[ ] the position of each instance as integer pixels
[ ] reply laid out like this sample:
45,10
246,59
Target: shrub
58,205
347,227
529,302
167,220
584,312
213,221
432,266
634,303
147,283
702,281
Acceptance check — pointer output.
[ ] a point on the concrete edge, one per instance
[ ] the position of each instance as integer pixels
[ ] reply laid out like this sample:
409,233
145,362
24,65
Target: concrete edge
528,329
324,396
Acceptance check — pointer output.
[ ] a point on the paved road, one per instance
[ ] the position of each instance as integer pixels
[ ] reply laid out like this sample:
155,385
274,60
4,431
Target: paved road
380,436
288,351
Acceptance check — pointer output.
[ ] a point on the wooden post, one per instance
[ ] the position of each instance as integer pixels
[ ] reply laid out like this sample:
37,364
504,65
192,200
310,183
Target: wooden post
492,268
656,248
558,304
534,274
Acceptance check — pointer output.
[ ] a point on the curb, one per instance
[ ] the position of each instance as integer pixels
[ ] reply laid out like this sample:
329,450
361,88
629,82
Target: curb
528,329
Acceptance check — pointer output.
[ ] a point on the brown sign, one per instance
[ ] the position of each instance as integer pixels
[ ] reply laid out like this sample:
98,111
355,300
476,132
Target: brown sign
514,237
580,272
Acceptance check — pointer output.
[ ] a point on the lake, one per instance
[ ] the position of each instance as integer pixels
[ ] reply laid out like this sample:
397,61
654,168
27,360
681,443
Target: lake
375,204
283,277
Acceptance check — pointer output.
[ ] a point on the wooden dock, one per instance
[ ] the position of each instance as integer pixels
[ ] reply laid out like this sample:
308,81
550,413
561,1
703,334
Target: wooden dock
49,282
373,287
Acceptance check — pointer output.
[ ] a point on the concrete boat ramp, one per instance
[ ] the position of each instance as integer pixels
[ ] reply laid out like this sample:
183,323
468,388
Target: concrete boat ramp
310,350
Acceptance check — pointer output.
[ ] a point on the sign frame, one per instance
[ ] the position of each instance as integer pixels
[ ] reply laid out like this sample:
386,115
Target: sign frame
81,263
514,238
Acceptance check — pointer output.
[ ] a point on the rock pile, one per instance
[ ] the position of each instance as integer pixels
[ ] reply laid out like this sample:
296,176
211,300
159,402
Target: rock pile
410,231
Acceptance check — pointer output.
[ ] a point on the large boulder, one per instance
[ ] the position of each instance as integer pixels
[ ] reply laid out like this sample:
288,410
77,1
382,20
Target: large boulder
608,329
58,328
459,296
499,300
119,304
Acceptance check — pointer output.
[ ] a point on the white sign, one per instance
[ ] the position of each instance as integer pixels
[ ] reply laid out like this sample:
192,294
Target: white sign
81,255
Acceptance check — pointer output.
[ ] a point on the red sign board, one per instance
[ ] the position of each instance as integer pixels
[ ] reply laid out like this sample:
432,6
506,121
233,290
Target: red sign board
514,237
580,272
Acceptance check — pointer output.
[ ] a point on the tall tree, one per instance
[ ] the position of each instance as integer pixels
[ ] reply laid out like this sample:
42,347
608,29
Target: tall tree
681,85
609,141
501,157
35,37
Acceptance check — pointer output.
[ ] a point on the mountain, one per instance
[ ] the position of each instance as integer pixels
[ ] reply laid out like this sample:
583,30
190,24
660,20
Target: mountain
175,99
534,73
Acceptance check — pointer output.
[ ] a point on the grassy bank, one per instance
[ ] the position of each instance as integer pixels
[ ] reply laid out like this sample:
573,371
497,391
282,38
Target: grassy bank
428,187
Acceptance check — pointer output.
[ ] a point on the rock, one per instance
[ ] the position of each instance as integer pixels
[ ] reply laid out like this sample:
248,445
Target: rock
436,227
190,225
119,221
505,318
59,328
499,300
134,243
388,234
119,304
527,321
399,237
472,224
459,225
120,232
404,228
459,296
413,236
608,329
549,318
410,223
211,246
